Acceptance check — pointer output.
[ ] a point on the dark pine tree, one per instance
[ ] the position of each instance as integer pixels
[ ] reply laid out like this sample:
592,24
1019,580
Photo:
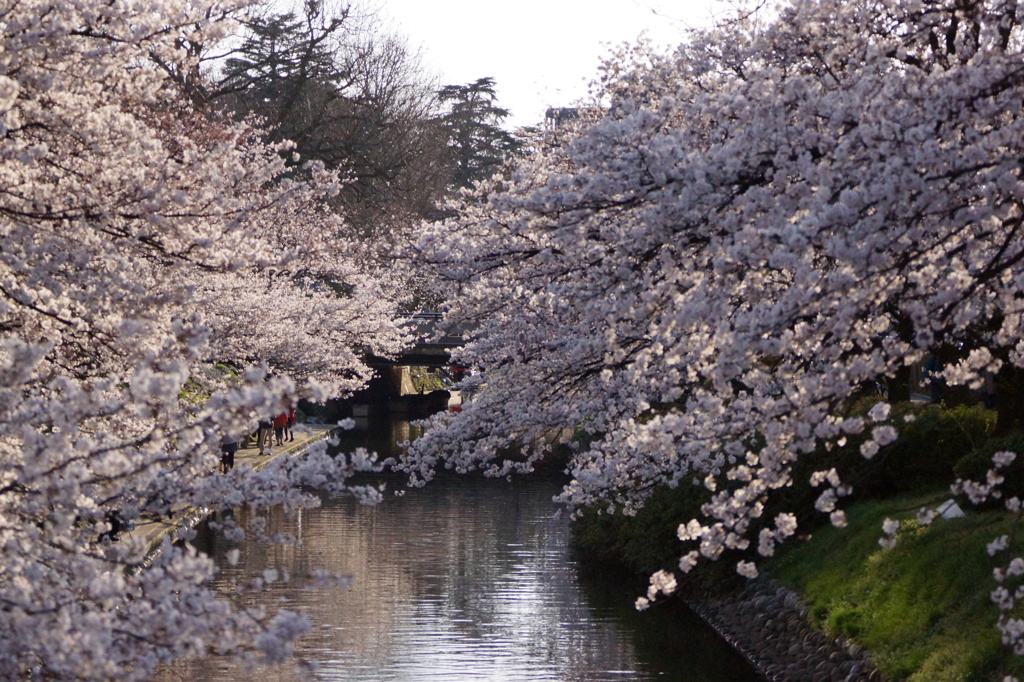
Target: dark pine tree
472,126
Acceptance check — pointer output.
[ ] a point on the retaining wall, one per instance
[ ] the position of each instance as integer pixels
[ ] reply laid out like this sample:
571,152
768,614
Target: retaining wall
768,624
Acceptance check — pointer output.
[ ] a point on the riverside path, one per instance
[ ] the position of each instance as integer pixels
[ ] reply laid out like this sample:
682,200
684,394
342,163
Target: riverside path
184,518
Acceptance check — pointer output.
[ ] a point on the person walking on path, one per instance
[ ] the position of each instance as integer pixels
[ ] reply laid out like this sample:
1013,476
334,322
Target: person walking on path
263,439
228,448
280,422
288,432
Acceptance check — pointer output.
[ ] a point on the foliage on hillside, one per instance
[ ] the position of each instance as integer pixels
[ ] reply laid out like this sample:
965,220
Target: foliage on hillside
923,608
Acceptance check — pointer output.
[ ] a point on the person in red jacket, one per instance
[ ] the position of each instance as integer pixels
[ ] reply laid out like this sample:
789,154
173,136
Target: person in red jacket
280,421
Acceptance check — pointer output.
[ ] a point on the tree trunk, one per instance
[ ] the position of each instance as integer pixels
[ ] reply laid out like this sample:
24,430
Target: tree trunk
1009,399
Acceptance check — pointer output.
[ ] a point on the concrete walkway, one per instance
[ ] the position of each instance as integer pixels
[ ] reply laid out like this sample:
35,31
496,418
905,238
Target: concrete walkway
185,518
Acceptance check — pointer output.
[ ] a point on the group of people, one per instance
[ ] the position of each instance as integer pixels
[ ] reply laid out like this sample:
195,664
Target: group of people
282,425
282,429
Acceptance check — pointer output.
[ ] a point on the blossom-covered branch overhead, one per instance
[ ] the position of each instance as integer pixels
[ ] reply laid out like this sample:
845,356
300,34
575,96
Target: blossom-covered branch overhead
142,241
737,239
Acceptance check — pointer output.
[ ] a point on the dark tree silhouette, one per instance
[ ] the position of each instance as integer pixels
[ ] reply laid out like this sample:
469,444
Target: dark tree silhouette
347,94
472,126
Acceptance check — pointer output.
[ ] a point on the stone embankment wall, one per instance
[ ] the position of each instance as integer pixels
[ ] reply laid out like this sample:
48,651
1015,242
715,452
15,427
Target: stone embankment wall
768,624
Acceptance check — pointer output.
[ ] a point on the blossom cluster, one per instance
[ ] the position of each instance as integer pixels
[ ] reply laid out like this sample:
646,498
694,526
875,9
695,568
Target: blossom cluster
142,241
739,237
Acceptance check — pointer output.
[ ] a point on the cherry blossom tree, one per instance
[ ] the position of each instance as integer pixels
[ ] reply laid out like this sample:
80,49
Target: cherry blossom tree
141,242
808,198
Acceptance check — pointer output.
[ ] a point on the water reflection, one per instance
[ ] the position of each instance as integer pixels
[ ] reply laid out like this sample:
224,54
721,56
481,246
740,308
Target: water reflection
467,579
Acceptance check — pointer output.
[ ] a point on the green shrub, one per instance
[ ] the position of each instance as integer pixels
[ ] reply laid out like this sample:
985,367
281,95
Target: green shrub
648,541
645,542
426,379
975,465
929,447
193,393
932,440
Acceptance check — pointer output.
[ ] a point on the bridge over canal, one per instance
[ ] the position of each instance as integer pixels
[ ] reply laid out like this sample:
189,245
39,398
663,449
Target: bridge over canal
436,341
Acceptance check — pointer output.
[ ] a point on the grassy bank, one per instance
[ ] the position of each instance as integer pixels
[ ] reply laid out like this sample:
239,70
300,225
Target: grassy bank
922,608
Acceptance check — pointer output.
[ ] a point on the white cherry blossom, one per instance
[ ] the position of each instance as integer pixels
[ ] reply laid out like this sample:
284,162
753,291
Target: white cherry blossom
143,241
737,239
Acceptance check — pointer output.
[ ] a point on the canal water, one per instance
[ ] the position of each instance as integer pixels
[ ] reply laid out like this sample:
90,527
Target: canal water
466,579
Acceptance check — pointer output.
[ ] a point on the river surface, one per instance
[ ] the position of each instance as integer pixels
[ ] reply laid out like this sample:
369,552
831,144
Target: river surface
466,579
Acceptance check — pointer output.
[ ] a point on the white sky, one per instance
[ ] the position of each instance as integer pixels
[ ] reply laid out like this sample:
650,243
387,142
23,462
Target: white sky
540,53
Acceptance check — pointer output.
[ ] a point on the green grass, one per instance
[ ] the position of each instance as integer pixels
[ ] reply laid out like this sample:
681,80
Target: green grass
425,380
921,608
